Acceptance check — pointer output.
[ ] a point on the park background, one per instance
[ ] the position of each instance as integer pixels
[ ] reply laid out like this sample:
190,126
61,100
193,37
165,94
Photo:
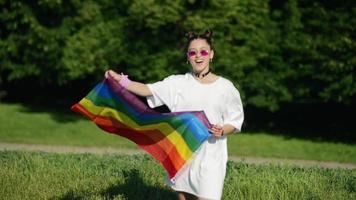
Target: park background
293,62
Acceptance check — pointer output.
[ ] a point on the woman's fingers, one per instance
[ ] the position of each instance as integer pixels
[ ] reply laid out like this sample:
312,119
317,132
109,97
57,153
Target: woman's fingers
108,73
112,74
217,126
216,130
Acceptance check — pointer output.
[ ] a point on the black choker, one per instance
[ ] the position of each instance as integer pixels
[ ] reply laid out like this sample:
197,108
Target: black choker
203,75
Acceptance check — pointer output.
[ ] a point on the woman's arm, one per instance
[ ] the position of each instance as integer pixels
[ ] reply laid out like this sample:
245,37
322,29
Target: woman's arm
219,131
137,88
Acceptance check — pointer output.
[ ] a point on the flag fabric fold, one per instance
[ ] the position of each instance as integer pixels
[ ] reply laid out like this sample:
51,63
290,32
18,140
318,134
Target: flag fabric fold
171,138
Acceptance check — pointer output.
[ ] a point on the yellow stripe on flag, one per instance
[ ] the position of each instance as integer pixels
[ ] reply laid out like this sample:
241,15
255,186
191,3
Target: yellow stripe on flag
171,134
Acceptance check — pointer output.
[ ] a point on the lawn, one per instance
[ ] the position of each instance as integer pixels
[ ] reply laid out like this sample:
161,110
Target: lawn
31,175
35,125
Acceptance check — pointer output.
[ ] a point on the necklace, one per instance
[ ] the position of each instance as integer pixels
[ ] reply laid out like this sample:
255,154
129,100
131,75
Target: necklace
203,75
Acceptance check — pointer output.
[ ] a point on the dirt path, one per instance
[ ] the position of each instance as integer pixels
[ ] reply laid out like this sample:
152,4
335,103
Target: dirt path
103,150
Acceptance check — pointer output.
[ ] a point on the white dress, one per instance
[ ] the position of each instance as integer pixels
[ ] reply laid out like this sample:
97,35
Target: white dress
220,100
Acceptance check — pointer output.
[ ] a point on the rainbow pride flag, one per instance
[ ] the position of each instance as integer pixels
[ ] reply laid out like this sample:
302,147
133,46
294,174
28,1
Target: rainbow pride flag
171,138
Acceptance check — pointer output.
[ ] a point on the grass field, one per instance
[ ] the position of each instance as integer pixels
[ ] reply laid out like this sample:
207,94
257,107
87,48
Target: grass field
21,124
26,175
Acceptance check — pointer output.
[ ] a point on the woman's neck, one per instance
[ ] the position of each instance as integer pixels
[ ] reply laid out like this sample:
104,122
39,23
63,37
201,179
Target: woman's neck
202,74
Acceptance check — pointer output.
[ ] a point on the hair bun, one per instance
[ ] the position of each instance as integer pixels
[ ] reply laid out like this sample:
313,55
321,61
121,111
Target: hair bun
191,35
207,34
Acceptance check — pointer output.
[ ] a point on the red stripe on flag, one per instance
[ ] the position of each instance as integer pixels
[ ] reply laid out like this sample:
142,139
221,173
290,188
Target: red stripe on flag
154,142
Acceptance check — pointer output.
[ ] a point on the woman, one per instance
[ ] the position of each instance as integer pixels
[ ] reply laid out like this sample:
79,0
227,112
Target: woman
200,89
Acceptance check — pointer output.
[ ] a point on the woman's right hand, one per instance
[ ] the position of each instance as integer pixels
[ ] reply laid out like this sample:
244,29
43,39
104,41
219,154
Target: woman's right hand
137,88
112,74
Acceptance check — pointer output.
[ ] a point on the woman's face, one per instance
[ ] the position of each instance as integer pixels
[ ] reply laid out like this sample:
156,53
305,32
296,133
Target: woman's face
199,55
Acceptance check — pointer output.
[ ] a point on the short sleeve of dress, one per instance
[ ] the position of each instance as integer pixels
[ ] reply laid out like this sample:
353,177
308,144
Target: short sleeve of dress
163,92
233,113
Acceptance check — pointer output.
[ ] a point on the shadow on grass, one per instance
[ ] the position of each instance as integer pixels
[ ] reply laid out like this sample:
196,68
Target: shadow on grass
300,122
59,113
62,113
134,188
311,121
54,100
314,122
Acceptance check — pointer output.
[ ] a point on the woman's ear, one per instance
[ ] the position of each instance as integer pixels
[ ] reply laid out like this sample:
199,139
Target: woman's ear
211,54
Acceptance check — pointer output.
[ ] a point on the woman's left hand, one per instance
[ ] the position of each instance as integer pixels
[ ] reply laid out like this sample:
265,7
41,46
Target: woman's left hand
217,131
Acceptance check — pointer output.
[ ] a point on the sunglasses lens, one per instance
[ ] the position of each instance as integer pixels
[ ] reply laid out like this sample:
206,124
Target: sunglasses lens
204,52
191,53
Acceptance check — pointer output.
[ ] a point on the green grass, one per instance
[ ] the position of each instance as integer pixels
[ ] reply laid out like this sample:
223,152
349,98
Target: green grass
21,124
264,145
31,175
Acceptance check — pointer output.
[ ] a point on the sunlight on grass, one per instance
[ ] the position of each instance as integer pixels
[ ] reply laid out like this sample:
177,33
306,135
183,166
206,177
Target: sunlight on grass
265,145
23,126
26,175
20,124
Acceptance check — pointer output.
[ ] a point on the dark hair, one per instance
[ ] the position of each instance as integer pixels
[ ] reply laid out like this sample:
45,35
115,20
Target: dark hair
207,36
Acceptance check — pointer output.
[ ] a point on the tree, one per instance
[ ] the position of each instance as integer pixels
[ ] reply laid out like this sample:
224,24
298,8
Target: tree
274,51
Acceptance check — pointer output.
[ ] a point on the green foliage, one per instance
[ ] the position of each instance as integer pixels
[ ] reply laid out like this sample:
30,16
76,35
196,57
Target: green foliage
319,44
274,51
84,53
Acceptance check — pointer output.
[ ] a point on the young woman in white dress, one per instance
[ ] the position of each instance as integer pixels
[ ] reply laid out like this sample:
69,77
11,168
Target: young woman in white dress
200,89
